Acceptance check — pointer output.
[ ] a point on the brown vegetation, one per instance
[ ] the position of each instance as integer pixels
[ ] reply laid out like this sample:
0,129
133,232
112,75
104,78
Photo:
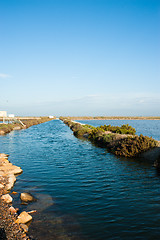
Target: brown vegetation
121,141
6,128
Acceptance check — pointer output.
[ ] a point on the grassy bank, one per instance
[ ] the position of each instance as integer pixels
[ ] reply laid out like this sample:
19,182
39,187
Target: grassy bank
122,141
6,128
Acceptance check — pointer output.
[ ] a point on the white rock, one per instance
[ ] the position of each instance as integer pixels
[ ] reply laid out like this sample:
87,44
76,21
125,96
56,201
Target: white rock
3,155
1,186
24,227
15,170
2,132
12,210
7,198
24,217
11,181
17,128
27,197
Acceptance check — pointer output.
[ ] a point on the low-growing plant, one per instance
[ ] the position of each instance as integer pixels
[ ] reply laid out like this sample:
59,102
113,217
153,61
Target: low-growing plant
124,129
130,147
121,141
6,128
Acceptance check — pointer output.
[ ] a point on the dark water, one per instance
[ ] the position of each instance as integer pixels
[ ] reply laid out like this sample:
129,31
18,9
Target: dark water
83,191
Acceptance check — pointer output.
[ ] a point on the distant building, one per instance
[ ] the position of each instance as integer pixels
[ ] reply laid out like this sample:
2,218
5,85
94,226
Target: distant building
11,115
3,114
51,116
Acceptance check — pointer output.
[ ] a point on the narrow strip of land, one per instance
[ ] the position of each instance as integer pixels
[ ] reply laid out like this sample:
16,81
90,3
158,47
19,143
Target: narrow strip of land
20,123
114,118
121,141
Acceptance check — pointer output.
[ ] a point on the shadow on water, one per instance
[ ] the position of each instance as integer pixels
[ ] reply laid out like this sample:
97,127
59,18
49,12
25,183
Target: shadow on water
2,234
158,172
49,222
55,227
139,159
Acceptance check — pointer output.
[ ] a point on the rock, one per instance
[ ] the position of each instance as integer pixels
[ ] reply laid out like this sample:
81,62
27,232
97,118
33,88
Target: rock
24,203
24,227
14,193
1,186
32,211
2,132
24,217
44,202
7,198
8,168
3,155
16,170
27,197
11,181
12,210
16,128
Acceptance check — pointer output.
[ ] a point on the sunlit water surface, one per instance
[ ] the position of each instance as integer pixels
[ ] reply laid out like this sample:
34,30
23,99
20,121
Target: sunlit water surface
83,191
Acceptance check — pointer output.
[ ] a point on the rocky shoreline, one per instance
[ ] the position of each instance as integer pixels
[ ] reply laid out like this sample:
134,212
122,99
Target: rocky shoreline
12,225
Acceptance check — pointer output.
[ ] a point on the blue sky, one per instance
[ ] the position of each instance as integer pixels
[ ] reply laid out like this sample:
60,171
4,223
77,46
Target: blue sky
80,57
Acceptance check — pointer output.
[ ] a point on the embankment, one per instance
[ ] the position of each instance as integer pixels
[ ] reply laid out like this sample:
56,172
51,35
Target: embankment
16,125
121,141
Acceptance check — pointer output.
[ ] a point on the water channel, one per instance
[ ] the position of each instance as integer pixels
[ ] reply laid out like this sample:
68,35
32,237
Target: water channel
83,191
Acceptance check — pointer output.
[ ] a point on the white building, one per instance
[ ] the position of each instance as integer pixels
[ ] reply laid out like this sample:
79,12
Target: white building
11,115
3,114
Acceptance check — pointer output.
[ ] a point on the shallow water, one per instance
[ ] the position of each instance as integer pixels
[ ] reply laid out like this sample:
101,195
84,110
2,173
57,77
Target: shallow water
83,191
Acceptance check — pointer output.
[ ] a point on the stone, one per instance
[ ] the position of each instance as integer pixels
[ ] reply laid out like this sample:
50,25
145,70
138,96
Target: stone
44,202
16,170
24,227
1,186
2,132
11,181
7,198
24,217
27,197
3,155
32,211
24,203
14,193
13,210
8,168
16,128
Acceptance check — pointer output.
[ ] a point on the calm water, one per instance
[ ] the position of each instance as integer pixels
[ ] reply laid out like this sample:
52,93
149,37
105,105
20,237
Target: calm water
83,191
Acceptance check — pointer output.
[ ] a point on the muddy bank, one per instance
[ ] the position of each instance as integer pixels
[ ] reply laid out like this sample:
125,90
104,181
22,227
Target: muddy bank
10,229
23,124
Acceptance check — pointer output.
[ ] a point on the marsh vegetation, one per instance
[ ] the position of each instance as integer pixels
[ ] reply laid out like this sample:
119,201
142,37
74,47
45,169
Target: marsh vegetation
122,141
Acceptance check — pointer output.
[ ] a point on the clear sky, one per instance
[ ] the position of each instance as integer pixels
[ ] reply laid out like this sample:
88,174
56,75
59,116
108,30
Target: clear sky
80,57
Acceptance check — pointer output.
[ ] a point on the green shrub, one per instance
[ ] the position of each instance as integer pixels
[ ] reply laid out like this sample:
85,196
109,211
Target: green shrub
124,129
130,147
115,141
